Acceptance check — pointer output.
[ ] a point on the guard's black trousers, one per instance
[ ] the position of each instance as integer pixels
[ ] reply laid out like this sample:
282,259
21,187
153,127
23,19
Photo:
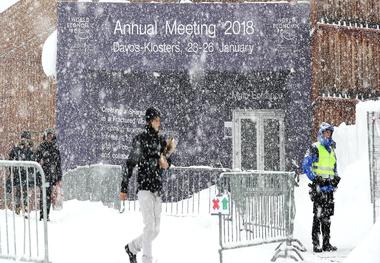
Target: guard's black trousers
319,223
323,209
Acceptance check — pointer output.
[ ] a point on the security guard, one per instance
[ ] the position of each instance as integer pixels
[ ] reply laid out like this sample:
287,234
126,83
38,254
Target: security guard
320,166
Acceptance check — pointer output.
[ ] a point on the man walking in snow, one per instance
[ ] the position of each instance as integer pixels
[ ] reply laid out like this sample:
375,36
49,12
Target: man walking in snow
320,167
150,154
48,155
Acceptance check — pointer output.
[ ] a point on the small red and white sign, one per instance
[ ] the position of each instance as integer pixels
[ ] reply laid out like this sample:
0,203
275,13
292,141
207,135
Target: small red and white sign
220,204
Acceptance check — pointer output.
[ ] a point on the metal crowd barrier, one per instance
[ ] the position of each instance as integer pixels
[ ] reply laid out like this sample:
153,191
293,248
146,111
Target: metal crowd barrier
22,236
94,183
373,127
262,210
186,190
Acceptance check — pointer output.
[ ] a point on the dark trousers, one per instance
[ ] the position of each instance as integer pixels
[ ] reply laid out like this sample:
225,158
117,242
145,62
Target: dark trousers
21,196
318,224
323,209
49,191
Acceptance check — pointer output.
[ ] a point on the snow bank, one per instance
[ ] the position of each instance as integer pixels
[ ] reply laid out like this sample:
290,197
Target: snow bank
352,140
368,250
353,214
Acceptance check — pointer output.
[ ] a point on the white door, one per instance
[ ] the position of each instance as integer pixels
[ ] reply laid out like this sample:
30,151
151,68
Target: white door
258,140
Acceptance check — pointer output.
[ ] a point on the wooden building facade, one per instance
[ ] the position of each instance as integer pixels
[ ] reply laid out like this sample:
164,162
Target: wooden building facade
27,95
345,57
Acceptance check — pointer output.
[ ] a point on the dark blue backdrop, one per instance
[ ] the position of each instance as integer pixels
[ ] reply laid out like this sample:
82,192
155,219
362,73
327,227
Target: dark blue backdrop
107,77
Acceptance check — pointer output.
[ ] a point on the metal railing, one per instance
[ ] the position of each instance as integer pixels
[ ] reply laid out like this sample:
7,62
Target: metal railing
262,210
186,190
94,183
20,229
373,125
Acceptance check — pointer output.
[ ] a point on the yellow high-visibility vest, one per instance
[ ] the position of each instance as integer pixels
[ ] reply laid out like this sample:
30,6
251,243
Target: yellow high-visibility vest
326,163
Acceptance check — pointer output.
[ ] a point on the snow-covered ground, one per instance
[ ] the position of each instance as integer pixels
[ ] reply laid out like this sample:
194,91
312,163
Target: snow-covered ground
87,231
90,232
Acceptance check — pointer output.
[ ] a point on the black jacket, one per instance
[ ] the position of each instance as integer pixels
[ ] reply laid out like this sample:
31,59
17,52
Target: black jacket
145,153
21,152
49,157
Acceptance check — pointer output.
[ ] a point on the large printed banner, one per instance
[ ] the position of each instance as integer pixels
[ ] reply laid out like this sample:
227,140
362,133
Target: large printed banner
222,37
195,62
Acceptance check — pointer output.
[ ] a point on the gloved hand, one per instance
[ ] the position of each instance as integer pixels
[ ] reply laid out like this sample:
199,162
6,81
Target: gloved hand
319,180
335,181
314,194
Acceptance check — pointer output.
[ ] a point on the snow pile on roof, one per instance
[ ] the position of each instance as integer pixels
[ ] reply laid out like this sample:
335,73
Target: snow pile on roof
5,4
49,55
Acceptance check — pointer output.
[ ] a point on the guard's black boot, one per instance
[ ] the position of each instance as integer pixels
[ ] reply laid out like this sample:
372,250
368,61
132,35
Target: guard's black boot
315,233
132,257
326,235
328,247
317,249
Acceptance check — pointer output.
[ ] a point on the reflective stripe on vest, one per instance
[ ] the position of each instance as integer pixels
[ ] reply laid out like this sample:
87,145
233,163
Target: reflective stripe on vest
326,162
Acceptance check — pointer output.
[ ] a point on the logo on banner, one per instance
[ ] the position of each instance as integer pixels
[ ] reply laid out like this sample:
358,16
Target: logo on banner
287,27
80,26
220,204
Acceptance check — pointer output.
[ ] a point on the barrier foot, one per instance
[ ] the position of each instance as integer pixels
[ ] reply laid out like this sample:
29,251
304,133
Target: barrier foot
292,247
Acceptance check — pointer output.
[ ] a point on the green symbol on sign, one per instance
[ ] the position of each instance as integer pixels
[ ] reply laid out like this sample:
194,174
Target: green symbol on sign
225,203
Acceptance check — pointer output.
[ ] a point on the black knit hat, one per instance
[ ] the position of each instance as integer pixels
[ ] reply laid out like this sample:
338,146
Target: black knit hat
151,113
26,135
49,131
